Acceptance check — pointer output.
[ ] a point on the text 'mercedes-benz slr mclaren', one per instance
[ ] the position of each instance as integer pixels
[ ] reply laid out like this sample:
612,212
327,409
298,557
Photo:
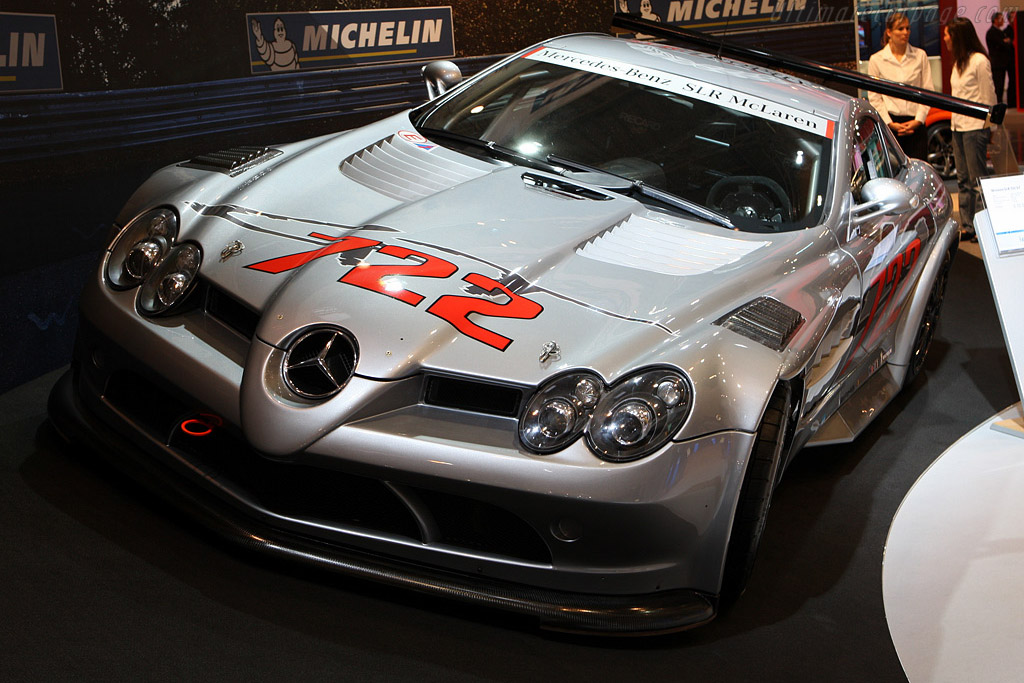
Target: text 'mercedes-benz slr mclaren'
546,342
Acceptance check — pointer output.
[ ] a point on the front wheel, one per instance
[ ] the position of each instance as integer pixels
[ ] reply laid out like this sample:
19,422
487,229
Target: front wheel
763,471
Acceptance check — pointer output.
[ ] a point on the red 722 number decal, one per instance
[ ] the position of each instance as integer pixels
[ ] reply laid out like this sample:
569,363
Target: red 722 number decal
454,309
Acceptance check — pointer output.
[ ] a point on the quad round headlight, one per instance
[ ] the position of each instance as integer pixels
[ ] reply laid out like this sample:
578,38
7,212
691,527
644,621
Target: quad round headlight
639,415
557,414
172,279
140,248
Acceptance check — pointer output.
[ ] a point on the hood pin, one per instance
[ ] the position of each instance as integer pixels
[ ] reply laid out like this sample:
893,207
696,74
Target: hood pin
550,352
232,249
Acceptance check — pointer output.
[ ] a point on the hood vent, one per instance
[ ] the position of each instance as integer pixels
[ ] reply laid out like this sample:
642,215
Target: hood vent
562,188
232,161
669,249
765,320
406,172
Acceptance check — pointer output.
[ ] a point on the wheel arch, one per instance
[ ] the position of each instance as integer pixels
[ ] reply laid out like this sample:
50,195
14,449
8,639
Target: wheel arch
947,241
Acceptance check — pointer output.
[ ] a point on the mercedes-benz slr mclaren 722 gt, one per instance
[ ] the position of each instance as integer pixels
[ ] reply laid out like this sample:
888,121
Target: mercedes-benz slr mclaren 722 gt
546,342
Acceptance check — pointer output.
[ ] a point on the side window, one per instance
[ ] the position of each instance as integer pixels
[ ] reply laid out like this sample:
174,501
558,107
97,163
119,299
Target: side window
871,158
897,159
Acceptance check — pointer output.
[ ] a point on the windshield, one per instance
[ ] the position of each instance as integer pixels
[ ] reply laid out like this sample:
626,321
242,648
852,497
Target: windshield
765,175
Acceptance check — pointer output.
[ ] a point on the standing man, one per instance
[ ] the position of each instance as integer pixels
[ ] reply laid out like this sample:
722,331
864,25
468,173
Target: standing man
999,41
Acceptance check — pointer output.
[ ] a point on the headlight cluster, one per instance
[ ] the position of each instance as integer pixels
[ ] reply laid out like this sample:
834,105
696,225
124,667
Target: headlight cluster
634,418
145,254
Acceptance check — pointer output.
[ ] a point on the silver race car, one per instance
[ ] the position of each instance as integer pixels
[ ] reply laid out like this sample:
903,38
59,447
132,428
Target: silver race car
544,343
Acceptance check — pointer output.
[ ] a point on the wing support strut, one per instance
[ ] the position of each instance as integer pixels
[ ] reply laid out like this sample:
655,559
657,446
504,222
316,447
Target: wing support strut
807,67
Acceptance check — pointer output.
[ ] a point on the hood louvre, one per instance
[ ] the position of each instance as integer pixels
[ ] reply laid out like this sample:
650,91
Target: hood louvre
657,247
406,172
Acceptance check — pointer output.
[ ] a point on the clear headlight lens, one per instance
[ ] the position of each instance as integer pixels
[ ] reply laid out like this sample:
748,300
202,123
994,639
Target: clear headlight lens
557,414
172,279
639,415
141,247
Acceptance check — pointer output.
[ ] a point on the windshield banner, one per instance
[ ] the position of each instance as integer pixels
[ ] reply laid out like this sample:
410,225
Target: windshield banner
720,15
688,87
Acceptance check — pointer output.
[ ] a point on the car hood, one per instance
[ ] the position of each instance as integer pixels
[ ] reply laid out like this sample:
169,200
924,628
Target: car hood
432,258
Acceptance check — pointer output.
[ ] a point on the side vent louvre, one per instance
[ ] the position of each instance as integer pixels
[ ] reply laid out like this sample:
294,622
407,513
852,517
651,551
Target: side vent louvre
232,161
764,320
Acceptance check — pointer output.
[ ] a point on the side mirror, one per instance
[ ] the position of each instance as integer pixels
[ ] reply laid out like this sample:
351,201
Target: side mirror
883,196
441,77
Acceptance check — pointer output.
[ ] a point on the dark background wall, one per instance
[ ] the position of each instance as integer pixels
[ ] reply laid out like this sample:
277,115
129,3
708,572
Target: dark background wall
148,83
115,44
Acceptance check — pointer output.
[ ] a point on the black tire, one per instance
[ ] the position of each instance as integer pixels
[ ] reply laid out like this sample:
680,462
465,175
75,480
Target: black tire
929,320
940,149
763,472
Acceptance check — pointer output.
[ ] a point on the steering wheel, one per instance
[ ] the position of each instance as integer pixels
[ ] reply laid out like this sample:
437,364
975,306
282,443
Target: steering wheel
751,196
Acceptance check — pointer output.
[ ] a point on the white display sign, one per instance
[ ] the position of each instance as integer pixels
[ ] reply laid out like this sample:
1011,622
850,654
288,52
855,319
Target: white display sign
1004,198
1006,276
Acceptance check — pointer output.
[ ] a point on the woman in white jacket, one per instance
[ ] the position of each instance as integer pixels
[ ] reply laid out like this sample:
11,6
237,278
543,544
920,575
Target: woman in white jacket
971,79
901,62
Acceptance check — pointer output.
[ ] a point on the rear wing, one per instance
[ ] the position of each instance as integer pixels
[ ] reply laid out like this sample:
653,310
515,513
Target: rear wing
811,68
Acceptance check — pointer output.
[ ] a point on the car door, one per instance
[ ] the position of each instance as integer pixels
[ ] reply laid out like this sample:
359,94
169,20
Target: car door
887,248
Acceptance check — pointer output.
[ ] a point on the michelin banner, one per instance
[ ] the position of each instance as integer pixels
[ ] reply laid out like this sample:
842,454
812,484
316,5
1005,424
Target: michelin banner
294,41
718,15
29,59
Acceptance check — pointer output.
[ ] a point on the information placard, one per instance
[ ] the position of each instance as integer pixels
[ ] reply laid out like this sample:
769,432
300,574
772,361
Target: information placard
1004,198
1006,276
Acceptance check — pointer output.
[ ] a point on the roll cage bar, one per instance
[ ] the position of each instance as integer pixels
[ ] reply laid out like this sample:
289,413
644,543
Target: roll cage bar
809,67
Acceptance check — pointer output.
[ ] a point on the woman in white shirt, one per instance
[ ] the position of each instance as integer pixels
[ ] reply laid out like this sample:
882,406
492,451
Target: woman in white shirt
901,62
971,79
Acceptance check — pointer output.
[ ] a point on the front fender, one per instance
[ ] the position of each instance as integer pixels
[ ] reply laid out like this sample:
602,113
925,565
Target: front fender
732,379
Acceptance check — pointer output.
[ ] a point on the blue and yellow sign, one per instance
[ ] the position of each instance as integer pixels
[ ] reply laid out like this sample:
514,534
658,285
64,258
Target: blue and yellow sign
29,58
295,41
718,15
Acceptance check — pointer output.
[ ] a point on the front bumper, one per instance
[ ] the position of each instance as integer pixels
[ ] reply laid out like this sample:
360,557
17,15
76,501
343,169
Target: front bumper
658,612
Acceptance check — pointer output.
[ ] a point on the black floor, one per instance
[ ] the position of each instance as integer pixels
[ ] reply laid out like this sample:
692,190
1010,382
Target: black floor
99,583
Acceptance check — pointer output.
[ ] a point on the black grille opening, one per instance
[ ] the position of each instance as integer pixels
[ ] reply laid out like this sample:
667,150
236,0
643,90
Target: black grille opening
477,397
230,311
316,494
221,452
144,403
480,526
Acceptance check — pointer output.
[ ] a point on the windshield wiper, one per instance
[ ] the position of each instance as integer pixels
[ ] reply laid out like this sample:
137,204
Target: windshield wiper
638,187
492,148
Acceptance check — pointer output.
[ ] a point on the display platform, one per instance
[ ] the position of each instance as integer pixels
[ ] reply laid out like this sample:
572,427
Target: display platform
953,571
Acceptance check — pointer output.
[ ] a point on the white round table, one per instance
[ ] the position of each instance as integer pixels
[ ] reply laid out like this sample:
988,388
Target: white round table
953,571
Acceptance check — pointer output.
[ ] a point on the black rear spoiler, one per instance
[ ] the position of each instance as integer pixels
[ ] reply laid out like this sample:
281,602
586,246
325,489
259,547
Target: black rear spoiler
811,68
